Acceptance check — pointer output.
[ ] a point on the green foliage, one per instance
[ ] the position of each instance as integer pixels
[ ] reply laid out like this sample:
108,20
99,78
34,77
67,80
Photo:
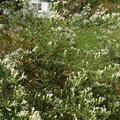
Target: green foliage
49,72
68,7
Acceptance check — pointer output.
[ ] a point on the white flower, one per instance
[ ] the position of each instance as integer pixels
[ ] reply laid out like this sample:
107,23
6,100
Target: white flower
1,26
23,76
109,31
22,113
6,60
49,43
8,66
24,101
103,109
100,72
49,95
35,48
14,103
16,73
64,2
59,28
12,70
115,15
35,116
75,117
118,74
65,52
85,21
105,51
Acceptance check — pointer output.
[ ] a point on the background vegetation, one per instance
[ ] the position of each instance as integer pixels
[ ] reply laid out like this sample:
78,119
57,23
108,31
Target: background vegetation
62,67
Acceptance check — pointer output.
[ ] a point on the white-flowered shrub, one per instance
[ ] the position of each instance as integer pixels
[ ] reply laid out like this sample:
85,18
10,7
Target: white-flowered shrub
46,75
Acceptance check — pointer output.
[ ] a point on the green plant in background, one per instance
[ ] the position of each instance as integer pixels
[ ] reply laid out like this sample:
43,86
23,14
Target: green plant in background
51,68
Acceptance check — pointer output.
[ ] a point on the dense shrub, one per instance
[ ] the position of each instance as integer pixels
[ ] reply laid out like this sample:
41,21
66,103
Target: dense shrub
44,75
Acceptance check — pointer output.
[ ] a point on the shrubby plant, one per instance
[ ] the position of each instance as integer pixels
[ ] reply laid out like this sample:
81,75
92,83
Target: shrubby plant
45,76
69,102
